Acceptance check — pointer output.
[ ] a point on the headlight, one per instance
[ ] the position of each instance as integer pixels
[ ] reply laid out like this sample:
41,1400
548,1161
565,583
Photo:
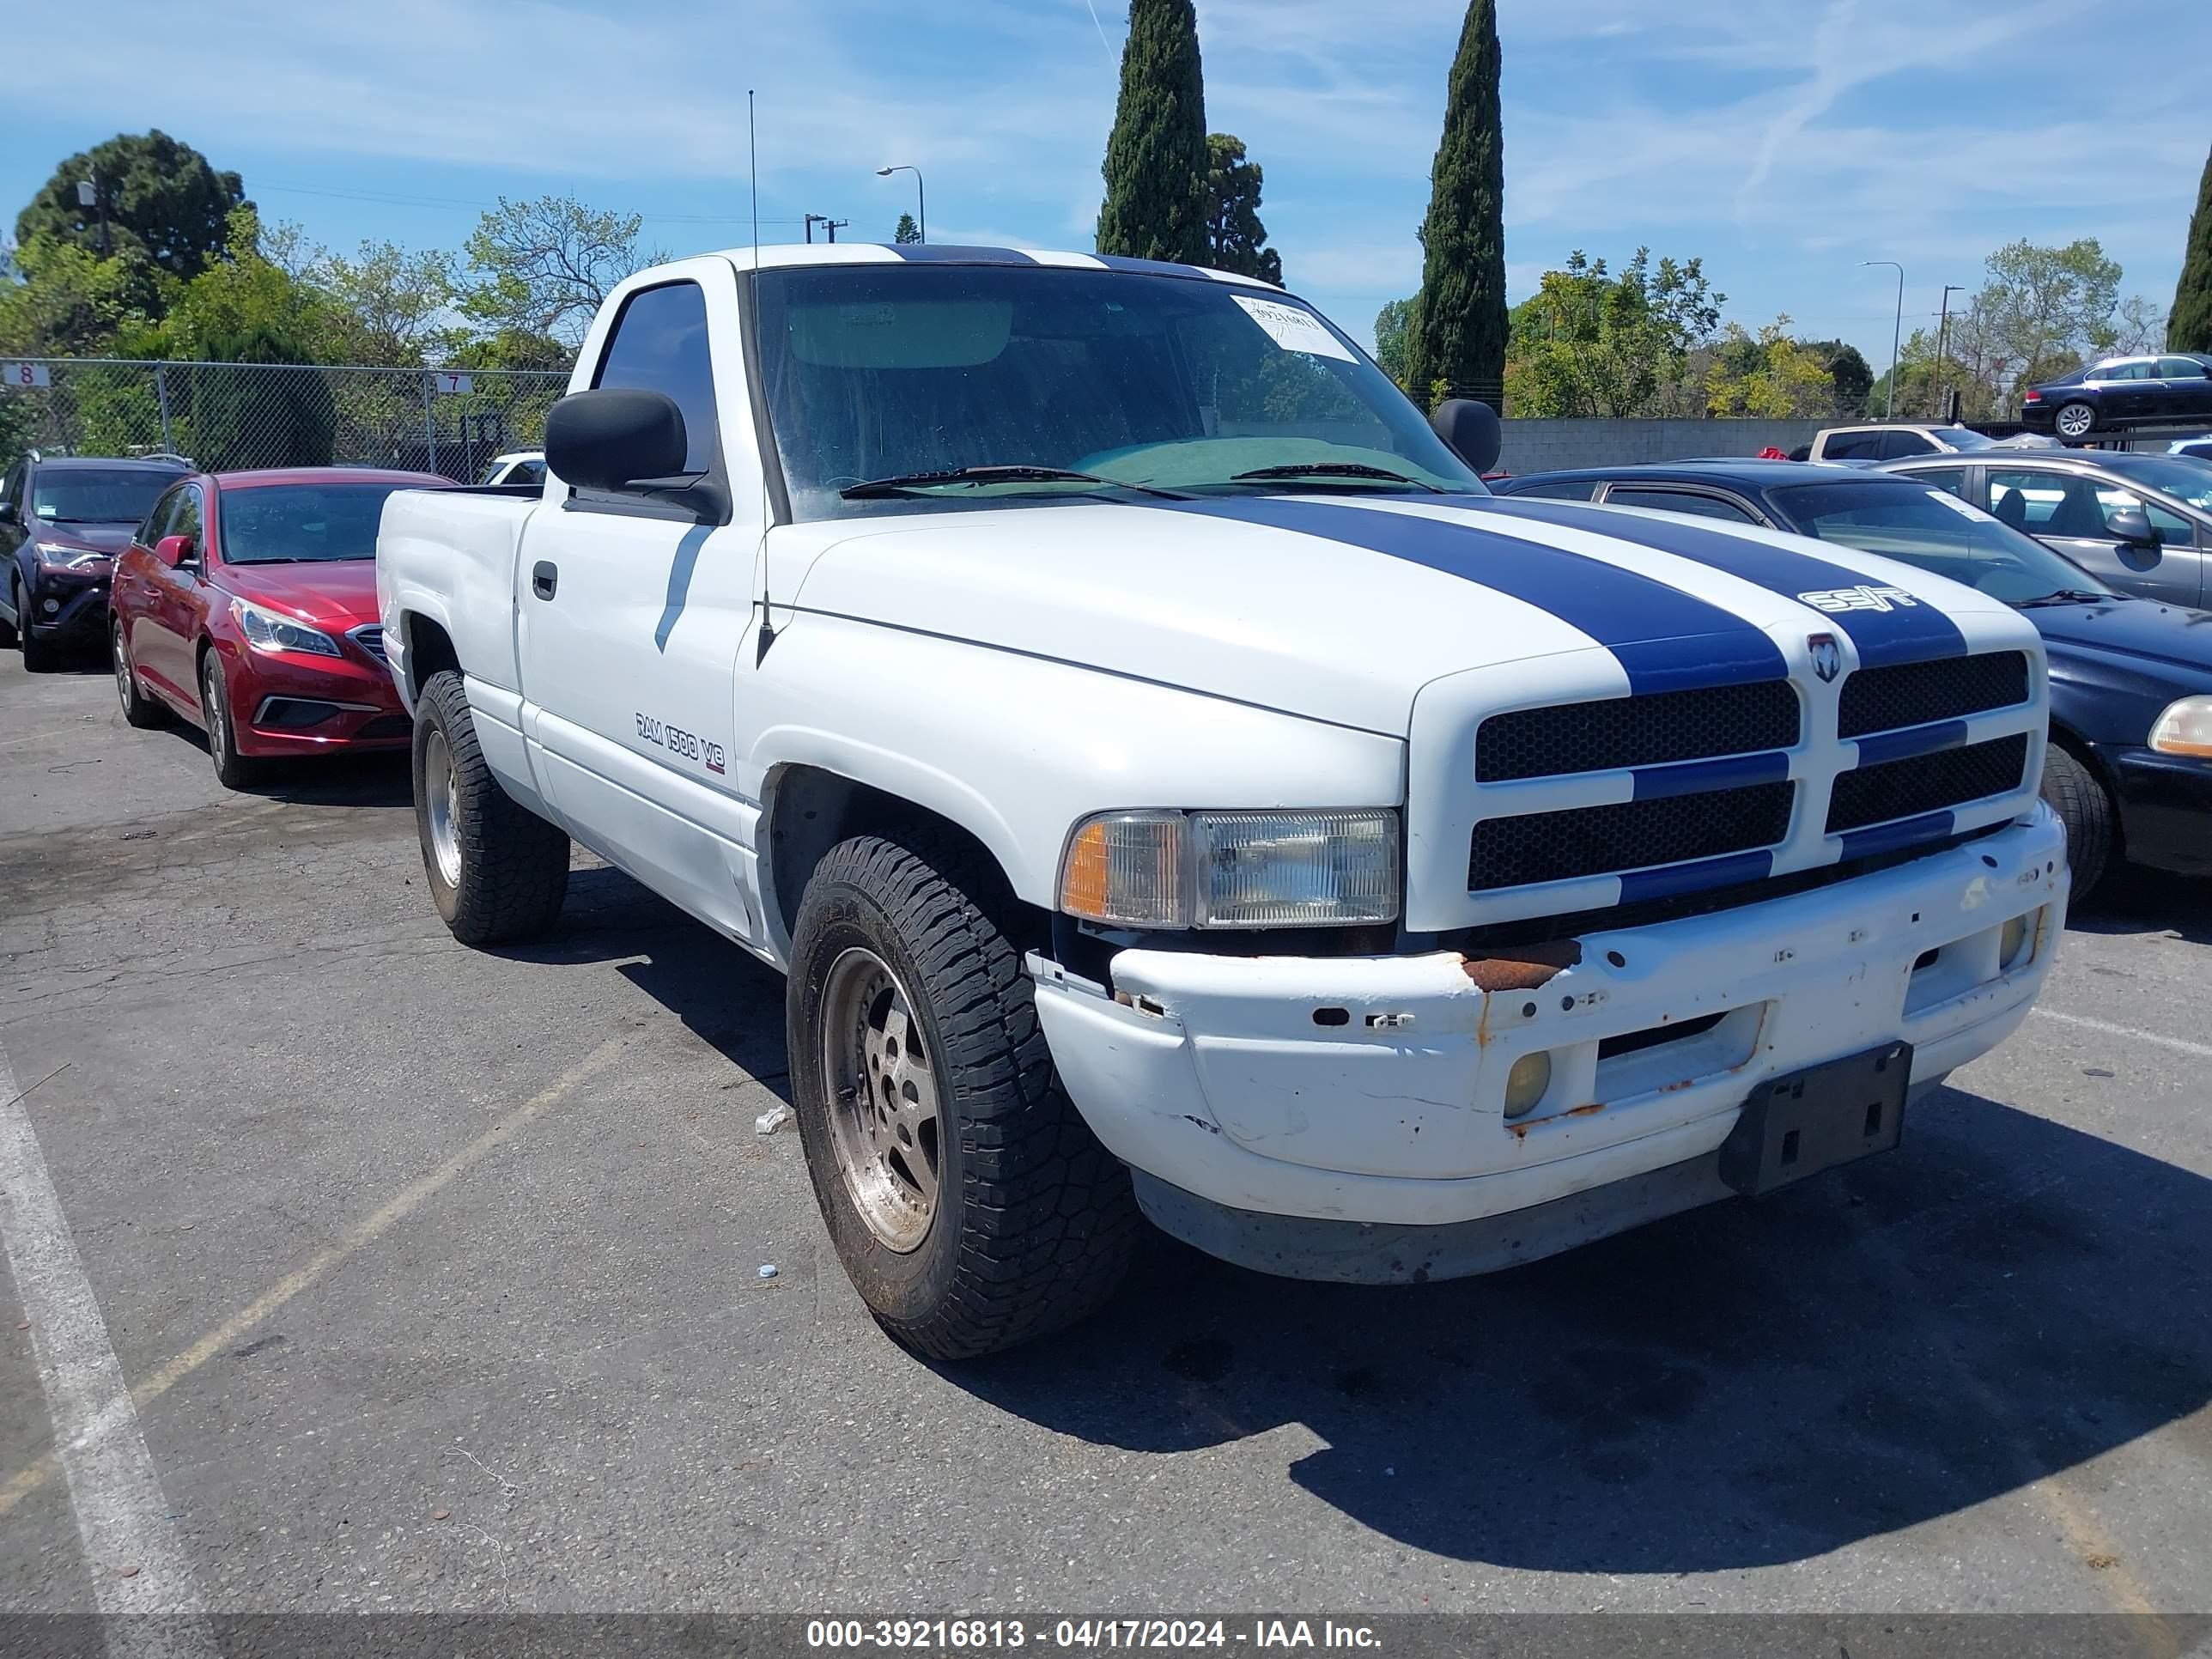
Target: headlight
2185,729
60,555
1316,869
265,630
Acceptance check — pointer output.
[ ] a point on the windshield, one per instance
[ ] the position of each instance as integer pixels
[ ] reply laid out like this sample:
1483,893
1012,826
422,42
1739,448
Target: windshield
287,524
87,496
879,372
2179,476
1936,530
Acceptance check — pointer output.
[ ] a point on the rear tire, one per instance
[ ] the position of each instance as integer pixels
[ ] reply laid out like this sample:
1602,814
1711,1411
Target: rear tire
138,709
2074,792
231,769
1000,1217
497,871
2076,422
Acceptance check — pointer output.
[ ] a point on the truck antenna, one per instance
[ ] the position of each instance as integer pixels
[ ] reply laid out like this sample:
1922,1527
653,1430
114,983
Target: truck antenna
767,635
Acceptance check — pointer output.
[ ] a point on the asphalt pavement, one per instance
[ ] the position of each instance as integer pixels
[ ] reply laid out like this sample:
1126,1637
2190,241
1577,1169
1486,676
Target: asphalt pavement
432,1278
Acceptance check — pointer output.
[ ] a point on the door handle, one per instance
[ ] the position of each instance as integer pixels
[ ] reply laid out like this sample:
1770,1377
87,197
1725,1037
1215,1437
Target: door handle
544,577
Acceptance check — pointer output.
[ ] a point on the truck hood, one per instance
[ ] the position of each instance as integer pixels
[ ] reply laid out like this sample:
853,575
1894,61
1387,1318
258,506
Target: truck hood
1341,608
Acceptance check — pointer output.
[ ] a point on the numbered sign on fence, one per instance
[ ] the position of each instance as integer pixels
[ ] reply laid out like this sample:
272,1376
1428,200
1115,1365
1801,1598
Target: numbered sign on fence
456,385
25,375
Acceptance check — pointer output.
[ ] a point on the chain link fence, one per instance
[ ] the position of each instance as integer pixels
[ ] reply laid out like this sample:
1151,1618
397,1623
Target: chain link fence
228,417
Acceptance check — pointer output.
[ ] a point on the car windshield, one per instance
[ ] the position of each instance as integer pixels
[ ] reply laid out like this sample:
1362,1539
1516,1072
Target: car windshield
288,524
1916,524
1180,384
89,495
2179,476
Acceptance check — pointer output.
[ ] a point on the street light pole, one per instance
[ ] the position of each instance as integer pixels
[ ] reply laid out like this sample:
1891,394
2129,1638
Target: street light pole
921,202
1896,330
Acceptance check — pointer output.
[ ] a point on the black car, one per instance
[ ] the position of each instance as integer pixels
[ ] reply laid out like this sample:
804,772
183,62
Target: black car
2117,392
63,520
2130,766
2143,523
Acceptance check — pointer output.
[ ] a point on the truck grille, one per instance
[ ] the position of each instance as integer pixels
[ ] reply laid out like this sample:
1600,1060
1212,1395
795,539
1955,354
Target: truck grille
1648,731
1926,783
1591,840
370,638
1916,693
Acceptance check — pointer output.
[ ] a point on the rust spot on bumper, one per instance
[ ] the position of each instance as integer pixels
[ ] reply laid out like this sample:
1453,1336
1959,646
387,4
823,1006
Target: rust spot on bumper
1524,969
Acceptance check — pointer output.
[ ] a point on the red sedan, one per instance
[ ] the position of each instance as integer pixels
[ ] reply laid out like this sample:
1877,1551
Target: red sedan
246,602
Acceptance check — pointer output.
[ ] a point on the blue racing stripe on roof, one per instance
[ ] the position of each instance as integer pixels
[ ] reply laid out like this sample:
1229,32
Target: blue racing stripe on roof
1156,267
1666,640
952,254
1913,632
1675,878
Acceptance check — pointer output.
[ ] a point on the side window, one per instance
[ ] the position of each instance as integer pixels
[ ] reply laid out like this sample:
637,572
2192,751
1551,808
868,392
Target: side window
157,518
2180,368
533,472
1851,446
2052,503
660,344
1572,489
2135,371
1950,478
1678,501
11,487
2174,530
1896,446
185,521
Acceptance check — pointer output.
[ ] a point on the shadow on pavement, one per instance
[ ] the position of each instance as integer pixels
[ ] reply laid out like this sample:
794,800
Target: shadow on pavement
2132,902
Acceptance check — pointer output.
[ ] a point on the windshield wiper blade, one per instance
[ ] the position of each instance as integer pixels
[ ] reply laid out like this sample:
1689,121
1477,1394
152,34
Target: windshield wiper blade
903,482
1332,470
2069,596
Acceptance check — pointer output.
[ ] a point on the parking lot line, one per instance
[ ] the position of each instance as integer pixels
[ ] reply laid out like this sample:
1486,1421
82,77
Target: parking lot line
2179,1045
362,1233
132,1551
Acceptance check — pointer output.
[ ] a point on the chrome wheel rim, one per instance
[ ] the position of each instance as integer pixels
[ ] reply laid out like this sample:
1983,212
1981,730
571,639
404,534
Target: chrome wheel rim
2076,421
218,726
883,1114
124,685
441,790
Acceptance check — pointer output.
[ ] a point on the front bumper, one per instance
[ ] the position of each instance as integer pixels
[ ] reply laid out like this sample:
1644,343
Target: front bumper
291,703
2166,808
79,613
1370,1090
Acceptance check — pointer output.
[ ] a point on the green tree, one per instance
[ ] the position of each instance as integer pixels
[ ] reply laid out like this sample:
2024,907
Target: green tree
2189,325
1235,239
1589,342
1157,156
544,267
390,306
244,302
1393,327
1462,333
164,201
71,302
2043,308
1772,375
1853,375
907,231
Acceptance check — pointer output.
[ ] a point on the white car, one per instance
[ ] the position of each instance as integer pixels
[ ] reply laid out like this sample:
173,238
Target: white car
520,466
1890,441
1171,784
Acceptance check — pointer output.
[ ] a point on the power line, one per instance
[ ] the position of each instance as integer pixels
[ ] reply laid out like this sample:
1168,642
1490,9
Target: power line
404,200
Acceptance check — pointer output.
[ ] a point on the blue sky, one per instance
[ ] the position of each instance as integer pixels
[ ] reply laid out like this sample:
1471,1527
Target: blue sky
1782,141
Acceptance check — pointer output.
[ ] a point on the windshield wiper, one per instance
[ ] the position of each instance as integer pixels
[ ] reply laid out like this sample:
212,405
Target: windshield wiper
2068,596
899,483
1332,470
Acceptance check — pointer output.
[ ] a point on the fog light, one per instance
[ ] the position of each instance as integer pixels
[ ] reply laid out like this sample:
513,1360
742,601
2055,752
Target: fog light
1526,1083
52,607
2011,939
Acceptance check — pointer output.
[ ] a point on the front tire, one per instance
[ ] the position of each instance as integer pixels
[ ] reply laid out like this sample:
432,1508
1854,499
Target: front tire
969,1202
2074,792
138,709
231,769
41,656
497,871
2076,422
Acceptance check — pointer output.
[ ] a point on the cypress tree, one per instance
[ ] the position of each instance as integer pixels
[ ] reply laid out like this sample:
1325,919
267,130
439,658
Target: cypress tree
1458,337
1155,158
2189,326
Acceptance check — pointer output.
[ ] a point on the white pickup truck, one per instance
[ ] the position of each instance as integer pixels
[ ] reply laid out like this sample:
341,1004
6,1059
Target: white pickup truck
1171,784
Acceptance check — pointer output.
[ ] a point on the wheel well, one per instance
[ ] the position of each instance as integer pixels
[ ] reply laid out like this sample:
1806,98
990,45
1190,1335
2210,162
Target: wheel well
429,651
2064,736
809,810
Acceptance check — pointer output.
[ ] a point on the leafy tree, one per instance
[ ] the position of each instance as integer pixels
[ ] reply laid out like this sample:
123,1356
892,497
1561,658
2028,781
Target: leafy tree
165,203
1850,370
2189,326
1768,374
71,302
1157,157
2138,325
511,348
1235,239
2043,308
544,267
244,301
1460,336
393,305
1589,342
1393,326
907,231
233,419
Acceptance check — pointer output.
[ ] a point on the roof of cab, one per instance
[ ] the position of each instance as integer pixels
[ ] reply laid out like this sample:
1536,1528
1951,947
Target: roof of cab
778,256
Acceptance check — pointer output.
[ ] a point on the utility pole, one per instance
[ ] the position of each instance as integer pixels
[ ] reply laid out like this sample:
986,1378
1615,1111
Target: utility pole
89,194
833,226
1896,331
1943,340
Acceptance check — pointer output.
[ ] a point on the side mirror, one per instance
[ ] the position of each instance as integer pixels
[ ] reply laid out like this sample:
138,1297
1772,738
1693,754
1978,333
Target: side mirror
2132,527
10,514
173,550
1472,430
616,437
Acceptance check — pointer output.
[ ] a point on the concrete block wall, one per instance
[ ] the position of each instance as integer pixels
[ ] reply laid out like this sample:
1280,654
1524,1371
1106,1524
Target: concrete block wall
1546,446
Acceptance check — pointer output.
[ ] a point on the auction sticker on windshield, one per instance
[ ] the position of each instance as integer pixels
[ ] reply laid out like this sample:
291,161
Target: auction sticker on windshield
1293,329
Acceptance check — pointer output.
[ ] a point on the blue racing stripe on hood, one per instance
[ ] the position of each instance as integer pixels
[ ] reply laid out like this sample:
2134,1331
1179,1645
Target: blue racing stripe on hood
1666,640
1911,632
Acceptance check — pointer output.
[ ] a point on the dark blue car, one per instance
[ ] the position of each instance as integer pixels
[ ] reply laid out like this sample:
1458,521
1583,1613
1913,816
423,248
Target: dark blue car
2130,757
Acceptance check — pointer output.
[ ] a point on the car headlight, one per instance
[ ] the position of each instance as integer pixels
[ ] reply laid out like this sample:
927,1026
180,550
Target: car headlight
1265,869
265,630
2185,729
60,555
